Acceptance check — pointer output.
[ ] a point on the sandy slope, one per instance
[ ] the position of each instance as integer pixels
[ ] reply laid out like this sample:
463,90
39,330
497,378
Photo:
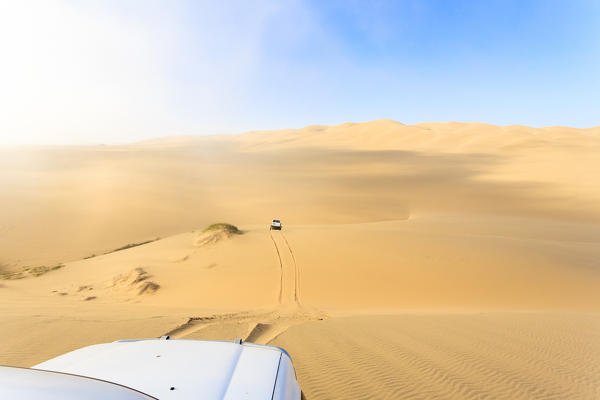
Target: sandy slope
430,261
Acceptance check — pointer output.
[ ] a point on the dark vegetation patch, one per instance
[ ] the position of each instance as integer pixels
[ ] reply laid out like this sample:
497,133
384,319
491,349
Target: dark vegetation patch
12,275
38,271
90,298
30,271
221,226
128,246
215,232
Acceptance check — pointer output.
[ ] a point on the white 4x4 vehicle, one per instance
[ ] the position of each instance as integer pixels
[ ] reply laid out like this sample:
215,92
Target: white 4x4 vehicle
173,369
276,224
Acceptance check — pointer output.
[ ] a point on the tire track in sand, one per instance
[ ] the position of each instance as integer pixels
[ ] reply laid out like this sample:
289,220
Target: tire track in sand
296,271
258,326
280,267
288,282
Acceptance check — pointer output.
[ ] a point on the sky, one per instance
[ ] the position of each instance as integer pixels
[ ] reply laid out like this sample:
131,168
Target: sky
86,72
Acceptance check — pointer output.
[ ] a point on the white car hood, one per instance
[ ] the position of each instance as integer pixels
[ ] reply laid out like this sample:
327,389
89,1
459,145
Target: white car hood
179,369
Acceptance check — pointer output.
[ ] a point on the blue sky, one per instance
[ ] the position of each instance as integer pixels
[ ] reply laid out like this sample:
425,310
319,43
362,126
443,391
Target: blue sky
120,71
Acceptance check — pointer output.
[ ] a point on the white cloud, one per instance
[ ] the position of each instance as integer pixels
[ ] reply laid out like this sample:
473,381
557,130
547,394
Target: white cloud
76,72
71,75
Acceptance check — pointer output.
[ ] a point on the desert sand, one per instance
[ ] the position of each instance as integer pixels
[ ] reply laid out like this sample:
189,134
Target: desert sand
437,260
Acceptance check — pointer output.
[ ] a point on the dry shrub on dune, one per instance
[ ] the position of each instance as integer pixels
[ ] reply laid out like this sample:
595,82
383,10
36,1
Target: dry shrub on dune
222,226
215,232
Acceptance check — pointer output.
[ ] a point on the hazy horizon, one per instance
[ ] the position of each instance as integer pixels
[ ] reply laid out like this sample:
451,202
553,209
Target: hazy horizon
120,72
294,128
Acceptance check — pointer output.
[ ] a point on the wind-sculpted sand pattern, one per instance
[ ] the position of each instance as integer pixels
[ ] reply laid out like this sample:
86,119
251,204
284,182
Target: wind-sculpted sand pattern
477,356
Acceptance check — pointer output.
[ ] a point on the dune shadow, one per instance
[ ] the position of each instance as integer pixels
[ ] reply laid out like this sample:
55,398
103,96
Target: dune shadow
389,184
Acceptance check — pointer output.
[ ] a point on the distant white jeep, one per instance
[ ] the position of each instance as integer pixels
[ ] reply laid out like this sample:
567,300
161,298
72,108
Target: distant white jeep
276,224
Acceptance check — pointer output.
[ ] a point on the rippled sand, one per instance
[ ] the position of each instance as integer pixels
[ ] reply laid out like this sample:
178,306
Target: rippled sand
443,356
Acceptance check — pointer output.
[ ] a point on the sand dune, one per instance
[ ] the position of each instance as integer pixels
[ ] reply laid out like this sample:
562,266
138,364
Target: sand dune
416,261
375,171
